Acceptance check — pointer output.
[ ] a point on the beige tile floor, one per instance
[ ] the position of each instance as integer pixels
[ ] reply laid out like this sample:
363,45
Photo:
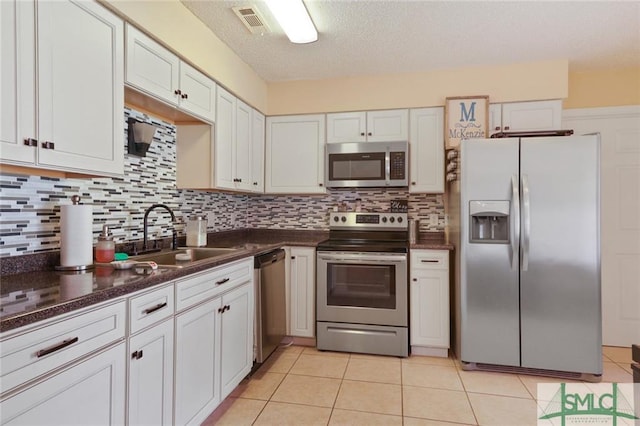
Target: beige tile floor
302,386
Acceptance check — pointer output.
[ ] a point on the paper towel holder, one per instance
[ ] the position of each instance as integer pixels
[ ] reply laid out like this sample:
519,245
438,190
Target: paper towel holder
139,136
75,200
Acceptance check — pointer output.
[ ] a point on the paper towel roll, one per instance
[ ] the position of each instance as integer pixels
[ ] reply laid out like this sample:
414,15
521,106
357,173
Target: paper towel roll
76,235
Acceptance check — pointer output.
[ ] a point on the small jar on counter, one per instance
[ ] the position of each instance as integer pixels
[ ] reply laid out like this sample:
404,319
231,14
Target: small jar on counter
106,247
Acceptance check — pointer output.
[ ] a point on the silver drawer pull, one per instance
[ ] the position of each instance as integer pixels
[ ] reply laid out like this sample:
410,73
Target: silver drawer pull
63,344
155,308
222,281
429,261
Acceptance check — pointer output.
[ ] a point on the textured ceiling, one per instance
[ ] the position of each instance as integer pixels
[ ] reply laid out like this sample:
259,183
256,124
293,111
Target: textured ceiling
368,37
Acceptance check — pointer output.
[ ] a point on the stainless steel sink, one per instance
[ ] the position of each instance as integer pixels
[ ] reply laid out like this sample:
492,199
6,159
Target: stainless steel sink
185,257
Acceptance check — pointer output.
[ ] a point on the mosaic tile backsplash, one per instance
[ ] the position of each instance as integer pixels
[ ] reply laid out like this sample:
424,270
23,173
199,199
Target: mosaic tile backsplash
30,205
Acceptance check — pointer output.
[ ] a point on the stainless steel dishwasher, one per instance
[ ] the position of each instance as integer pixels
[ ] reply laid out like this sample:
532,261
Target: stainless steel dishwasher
269,281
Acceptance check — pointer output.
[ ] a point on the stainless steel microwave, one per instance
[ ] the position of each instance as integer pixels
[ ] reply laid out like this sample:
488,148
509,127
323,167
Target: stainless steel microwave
367,164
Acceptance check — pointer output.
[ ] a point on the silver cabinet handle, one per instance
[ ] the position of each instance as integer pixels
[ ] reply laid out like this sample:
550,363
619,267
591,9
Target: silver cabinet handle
30,142
526,222
515,222
48,145
154,308
57,347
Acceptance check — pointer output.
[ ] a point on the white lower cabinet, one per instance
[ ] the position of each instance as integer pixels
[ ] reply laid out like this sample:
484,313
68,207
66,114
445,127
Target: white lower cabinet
91,392
429,294
197,379
301,281
151,376
214,338
236,335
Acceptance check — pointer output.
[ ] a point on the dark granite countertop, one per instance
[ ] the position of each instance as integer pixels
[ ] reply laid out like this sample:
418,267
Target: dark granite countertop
431,241
31,290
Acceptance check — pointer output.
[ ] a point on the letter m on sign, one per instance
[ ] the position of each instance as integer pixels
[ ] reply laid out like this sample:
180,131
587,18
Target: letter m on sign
467,115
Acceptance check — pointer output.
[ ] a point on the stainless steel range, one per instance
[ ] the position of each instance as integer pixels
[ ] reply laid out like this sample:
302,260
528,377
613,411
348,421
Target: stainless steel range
362,300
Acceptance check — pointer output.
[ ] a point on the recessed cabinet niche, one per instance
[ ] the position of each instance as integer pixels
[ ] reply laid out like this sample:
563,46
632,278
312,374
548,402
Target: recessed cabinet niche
156,71
72,52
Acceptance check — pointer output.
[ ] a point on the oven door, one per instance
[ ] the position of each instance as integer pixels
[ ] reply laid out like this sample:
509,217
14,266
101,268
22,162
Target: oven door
363,288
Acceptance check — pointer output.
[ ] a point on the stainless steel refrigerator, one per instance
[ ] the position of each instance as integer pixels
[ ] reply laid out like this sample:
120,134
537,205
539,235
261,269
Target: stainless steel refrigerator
530,254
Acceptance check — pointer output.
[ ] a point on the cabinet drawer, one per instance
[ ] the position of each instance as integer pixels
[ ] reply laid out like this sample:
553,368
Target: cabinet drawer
37,351
429,259
151,307
203,286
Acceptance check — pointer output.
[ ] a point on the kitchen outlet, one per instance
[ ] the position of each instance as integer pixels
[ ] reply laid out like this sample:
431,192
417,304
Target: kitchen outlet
211,217
433,219
446,220
233,219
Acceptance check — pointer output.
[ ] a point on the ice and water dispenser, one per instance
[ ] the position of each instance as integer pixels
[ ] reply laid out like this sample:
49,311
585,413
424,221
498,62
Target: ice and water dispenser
489,222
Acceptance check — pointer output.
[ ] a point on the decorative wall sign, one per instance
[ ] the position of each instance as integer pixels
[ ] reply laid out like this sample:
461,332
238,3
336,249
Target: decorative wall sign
399,206
466,117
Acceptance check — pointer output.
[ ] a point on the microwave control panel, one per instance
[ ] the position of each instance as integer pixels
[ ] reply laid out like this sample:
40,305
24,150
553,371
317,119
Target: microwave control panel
398,168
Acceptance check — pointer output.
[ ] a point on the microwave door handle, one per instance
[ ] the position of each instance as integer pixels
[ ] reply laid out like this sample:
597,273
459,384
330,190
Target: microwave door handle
387,166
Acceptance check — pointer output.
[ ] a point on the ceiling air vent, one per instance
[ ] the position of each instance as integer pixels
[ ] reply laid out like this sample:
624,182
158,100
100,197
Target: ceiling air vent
251,19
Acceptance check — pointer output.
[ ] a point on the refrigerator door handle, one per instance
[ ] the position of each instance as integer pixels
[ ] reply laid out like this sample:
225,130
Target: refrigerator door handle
515,222
526,222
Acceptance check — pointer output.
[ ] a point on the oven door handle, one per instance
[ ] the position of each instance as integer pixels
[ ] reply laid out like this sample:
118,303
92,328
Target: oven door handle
346,258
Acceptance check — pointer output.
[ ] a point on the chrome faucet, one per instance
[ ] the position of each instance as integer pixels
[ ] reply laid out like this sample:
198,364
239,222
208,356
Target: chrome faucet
174,239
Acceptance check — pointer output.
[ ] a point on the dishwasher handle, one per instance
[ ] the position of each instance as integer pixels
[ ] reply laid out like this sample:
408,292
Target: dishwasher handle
269,258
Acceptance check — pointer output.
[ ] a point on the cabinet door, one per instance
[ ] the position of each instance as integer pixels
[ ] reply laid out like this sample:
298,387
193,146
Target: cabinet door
429,322
426,144
151,376
17,81
429,287
346,127
225,139
257,151
80,87
88,393
197,380
236,337
495,119
197,93
295,154
539,115
242,172
388,126
302,279
150,67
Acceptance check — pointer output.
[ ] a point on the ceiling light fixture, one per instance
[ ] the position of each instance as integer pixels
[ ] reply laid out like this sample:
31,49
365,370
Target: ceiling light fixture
294,19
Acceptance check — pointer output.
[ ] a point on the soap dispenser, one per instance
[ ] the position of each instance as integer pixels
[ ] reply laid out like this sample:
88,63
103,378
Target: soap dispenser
106,247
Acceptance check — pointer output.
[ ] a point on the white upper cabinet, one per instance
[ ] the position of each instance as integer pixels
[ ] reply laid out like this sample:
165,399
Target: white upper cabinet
17,86
294,154
525,116
371,126
243,147
79,76
234,143
257,151
156,71
225,130
426,145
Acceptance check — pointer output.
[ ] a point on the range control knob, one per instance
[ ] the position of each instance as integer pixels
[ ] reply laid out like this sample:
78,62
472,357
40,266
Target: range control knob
343,219
336,219
392,219
384,219
399,219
